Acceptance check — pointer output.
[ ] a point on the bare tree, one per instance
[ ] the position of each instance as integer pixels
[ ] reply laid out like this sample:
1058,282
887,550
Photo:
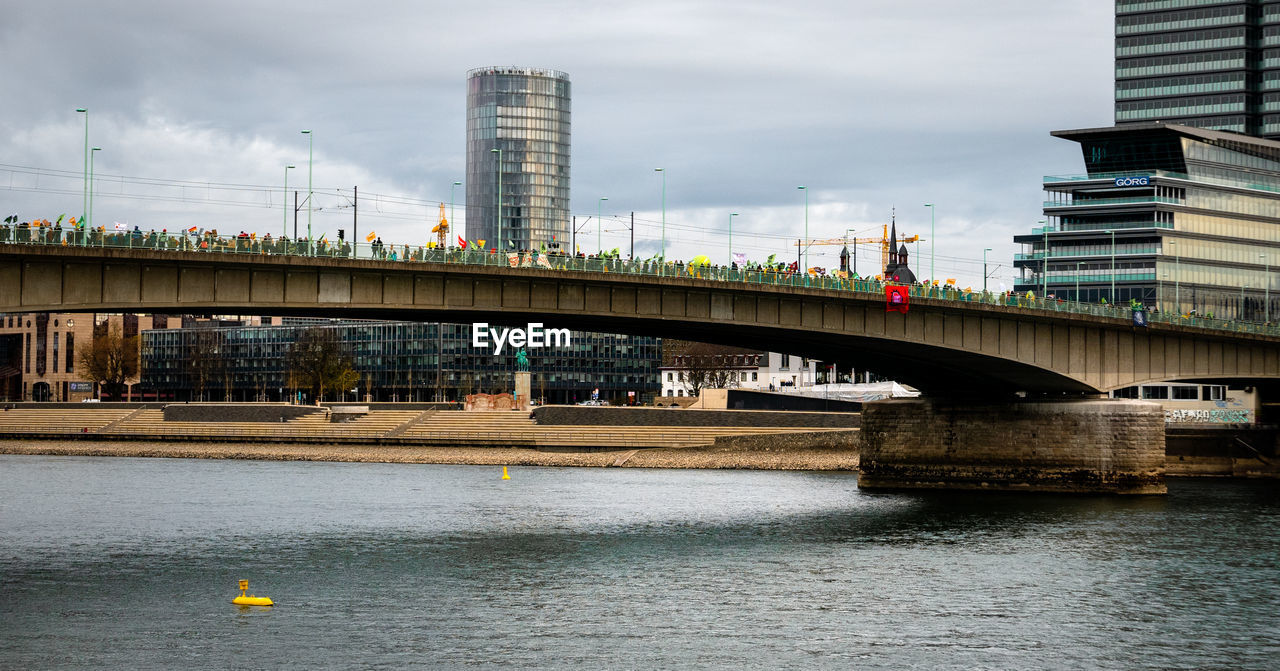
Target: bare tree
205,359
321,362
702,366
111,359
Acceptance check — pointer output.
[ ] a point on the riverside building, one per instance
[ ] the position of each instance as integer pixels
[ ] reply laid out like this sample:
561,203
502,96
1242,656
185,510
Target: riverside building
1203,63
518,149
1176,217
396,361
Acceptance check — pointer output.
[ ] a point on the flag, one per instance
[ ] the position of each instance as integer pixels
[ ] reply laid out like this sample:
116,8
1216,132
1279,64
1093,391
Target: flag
370,237
192,229
59,221
740,258
480,244
121,227
896,299
462,243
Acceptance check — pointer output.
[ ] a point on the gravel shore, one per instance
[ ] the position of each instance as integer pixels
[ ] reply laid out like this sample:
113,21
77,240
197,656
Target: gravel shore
817,459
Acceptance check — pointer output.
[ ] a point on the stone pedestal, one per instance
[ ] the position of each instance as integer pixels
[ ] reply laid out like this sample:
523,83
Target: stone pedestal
1109,446
522,390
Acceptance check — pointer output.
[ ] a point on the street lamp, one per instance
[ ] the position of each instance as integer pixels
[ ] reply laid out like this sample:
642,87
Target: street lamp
1266,279
1044,266
663,254
984,270
1113,266
599,206
310,166
933,240
731,216
91,183
499,153
284,232
805,189
451,221
1160,291
84,239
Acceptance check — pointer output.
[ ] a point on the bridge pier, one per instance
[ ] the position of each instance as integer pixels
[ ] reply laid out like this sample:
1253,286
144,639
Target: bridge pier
1086,446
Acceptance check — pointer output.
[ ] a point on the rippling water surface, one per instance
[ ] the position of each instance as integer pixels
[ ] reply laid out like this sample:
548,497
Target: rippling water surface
132,563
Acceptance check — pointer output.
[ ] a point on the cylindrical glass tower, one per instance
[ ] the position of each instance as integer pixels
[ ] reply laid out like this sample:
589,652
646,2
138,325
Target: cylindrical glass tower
524,113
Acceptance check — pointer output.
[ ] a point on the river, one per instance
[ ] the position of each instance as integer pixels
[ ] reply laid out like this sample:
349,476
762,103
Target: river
132,563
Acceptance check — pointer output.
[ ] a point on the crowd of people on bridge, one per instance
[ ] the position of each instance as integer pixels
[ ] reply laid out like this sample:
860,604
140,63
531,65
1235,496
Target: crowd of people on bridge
771,271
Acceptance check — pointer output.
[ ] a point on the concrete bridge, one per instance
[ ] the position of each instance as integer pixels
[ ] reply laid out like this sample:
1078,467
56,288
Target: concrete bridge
941,346
964,351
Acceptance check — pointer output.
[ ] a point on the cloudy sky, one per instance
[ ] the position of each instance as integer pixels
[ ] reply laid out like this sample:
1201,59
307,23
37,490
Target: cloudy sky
872,104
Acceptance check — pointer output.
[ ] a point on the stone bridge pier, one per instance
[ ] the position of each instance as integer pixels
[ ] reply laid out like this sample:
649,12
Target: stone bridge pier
1087,446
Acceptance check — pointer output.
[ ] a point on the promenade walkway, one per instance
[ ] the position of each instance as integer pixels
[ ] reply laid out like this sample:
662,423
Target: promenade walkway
496,429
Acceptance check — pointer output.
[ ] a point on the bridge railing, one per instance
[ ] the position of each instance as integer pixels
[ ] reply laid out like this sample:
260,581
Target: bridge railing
253,245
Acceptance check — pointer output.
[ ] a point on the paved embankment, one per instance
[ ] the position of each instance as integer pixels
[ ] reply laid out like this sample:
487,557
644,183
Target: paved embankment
772,457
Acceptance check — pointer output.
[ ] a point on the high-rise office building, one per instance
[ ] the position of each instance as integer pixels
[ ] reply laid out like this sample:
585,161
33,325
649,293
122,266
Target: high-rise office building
1202,63
1179,206
518,149
1176,217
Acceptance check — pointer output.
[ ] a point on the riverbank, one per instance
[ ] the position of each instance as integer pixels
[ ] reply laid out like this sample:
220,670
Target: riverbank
730,456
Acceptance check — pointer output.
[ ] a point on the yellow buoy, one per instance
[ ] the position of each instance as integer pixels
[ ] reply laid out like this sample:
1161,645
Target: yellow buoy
504,474
250,600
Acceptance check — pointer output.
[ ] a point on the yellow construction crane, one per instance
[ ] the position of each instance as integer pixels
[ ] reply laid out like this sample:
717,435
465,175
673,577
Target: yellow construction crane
883,241
442,229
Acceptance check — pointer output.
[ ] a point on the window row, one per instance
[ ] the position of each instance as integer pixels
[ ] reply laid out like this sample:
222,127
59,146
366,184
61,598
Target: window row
1169,109
1172,86
1181,20
1180,64
1133,6
1218,38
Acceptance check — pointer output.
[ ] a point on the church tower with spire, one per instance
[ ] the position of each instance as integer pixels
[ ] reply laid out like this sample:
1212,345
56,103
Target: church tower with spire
897,270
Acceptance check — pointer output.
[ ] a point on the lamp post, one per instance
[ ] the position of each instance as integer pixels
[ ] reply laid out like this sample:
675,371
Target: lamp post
1266,283
1078,270
984,269
1160,291
1044,266
499,153
284,231
933,240
84,239
310,166
1113,266
805,189
451,188
91,154
599,215
663,253
731,216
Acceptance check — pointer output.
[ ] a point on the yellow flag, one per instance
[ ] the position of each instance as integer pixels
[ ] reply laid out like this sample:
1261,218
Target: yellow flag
481,243
371,237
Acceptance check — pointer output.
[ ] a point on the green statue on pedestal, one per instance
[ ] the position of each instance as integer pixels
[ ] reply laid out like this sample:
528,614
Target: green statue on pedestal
522,361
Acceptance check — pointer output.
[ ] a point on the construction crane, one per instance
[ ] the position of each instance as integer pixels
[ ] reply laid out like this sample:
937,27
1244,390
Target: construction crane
442,229
883,241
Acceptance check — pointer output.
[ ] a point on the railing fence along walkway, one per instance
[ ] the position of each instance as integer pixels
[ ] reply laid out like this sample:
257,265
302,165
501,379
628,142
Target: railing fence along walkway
535,259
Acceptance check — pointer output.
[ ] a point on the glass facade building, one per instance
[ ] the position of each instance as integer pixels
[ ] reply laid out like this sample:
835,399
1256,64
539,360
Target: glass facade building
1202,63
523,113
1179,218
397,361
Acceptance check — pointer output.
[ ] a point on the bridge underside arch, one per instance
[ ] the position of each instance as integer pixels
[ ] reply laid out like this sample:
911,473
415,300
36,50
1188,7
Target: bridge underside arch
943,347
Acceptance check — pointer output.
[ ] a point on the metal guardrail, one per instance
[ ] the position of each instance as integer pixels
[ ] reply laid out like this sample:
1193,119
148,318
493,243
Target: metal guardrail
753,274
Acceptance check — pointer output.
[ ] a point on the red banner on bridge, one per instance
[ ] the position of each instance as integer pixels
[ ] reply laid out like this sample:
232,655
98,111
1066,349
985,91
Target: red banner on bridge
896,299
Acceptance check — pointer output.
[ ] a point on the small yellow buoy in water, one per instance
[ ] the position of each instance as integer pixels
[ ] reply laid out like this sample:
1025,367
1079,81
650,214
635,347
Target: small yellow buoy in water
250,600
504,474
